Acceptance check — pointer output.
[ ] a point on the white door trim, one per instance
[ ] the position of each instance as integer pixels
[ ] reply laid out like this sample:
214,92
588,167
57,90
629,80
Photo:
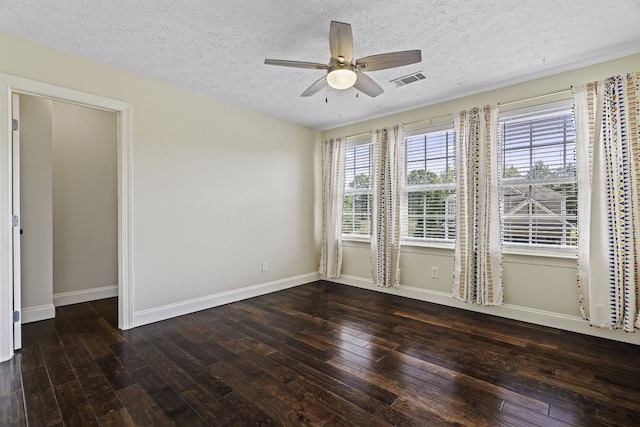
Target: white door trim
8,85
15,176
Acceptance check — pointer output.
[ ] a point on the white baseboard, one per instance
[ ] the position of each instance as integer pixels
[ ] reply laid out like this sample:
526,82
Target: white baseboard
36,314
157,314
77,297
514,312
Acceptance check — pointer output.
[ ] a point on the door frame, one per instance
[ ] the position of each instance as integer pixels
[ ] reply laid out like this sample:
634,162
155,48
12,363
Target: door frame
16,210
8,86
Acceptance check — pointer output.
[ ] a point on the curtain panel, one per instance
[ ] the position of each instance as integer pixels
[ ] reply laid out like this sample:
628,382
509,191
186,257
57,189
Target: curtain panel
478,252
388,170
607,118
333,155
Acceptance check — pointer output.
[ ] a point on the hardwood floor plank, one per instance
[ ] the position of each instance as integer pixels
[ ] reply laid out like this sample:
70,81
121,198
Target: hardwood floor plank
96,387
59,369
304,409
213,385
42,407
245,413
191,394
436,374
119,418
127,356
165,368
10,381
173,404
366,370
355,396
617,417
460,408
141,408
343,409
82,361
213,412
115,372
576,414
12,410
317,354
531,416
73,404
96,345
206,353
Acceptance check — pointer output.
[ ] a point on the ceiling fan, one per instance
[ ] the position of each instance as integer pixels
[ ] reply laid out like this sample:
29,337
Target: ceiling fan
342,72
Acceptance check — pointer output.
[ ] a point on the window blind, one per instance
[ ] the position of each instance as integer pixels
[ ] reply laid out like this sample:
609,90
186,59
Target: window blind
357,205
539,188
429,197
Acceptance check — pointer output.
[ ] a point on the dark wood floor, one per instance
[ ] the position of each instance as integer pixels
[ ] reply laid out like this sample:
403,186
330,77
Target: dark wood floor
319,354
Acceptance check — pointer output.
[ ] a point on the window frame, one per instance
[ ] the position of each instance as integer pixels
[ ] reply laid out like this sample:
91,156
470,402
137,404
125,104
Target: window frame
351,144
433,242
548,109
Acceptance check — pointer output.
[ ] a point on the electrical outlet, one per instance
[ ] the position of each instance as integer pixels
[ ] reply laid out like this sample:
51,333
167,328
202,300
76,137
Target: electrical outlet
265,266
434,272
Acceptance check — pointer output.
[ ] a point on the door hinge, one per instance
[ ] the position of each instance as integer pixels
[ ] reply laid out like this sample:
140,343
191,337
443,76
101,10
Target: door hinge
15,124
16,316
15,221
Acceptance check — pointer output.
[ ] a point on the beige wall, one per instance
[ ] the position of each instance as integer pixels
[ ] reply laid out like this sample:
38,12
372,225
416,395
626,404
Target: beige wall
85,200
36,208
536,288
217,189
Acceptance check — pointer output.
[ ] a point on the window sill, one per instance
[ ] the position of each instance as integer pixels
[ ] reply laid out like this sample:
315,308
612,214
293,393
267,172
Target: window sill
356,239
547,253
432,245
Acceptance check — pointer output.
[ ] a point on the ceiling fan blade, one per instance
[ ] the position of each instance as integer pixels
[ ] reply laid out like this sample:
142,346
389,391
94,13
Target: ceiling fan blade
296,64
389,60
366,85
314,88
341,41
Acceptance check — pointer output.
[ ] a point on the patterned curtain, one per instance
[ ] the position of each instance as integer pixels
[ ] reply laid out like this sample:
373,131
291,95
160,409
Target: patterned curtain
387,192
607,116
332,198
478,253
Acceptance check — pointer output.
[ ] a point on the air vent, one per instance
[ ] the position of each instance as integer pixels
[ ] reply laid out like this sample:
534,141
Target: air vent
411,78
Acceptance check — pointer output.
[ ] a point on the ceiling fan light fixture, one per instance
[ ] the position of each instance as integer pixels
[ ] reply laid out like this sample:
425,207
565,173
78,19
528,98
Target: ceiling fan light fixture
342,77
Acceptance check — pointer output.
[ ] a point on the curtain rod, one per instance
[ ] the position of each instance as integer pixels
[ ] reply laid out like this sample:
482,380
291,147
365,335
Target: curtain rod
529,98
357,135
428,119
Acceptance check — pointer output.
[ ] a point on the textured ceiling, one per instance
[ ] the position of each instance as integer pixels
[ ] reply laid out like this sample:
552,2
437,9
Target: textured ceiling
218,47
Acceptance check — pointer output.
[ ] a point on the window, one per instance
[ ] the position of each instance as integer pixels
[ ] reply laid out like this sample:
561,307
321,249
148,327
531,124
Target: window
358,194
539,188
430,186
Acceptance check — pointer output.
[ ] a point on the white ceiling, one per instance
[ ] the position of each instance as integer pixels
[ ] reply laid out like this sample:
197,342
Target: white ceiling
218,47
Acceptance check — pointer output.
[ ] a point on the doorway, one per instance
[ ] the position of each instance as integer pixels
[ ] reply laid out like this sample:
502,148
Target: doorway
10,315
68,204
